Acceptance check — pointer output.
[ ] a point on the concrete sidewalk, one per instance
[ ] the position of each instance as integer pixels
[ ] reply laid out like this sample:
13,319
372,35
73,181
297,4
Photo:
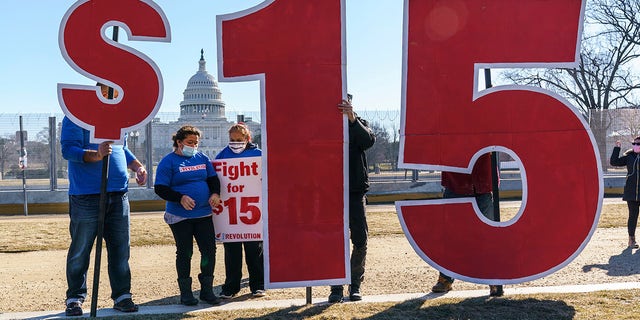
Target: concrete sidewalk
282,304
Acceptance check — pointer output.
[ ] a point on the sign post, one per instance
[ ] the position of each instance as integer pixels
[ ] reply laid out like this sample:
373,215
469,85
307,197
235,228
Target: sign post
101,213
23,166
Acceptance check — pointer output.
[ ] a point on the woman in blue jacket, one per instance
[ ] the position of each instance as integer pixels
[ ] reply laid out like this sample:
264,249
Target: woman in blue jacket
240,146
186,179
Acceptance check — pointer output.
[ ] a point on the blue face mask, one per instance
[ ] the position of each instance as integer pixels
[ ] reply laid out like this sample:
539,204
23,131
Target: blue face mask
189,151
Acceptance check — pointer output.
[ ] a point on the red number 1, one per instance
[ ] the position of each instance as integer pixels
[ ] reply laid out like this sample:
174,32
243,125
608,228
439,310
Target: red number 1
233,210
295,48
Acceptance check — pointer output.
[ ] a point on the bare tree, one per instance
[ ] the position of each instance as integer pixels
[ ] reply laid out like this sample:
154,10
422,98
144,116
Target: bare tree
7,153
604,78
379,152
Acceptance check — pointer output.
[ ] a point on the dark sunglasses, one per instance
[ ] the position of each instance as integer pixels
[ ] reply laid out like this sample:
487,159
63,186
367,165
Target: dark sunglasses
636,143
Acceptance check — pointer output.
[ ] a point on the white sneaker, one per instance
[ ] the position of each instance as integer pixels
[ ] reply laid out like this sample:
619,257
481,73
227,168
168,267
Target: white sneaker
259,293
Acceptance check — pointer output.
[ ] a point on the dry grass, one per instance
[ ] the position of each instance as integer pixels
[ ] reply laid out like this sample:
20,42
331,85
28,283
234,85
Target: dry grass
37,232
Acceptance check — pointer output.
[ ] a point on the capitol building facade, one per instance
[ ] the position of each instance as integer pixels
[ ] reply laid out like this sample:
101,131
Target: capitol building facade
203,108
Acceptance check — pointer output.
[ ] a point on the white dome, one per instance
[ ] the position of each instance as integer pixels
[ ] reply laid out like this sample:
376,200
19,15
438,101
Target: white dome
202,97
202,79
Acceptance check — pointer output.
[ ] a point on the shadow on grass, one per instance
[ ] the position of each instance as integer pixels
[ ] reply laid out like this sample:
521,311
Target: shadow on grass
483,308
624,264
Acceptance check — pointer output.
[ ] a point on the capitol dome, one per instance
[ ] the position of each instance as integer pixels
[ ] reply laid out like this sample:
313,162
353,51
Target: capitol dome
202,97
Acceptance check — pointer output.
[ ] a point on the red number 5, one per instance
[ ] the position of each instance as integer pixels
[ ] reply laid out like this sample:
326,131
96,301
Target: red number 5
253,211
446,125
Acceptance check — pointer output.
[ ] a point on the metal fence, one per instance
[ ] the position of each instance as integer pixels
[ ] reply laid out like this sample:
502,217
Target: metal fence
46,169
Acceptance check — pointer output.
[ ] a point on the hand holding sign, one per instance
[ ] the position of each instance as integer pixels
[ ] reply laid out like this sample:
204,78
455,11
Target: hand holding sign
214,200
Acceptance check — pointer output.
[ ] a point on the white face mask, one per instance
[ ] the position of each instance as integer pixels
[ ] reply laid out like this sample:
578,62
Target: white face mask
237,146
189,151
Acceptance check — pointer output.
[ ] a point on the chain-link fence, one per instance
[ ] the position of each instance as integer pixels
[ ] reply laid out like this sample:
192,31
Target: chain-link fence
43,168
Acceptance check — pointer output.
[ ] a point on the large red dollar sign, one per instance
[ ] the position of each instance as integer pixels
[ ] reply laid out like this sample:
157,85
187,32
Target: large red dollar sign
86,48
447,124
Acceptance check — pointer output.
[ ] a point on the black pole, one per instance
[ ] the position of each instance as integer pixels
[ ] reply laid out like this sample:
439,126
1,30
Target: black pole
494,163
53,165
495,171
23,157
149,146
103,209
309,298
101,214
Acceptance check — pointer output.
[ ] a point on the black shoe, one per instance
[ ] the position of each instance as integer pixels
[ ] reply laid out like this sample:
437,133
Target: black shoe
336,294
189,301
226,295
126,305
206,291
73,309
211,299
443,285
354,293
186,295
496,291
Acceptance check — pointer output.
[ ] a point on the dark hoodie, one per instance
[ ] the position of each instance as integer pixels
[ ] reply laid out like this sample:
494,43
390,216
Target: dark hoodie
361,138
632,161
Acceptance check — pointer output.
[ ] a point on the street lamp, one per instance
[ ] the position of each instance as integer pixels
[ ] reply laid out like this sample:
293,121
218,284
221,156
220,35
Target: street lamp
133,136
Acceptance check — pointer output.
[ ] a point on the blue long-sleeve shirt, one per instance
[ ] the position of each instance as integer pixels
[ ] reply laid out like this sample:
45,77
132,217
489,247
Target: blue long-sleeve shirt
252,150
86,177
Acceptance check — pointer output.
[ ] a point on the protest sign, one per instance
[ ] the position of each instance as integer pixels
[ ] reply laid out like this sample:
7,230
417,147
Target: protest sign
239,216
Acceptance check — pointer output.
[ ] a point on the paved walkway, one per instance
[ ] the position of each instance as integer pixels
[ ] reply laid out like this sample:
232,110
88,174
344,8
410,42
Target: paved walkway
260,304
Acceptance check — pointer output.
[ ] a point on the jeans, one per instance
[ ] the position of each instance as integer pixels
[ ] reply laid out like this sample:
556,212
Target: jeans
83,227
485,204
233,265
202,230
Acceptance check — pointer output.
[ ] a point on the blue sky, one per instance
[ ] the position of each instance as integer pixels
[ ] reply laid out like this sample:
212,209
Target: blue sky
31,64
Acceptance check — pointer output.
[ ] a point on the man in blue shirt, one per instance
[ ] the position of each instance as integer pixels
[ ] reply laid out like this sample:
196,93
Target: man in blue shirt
85,178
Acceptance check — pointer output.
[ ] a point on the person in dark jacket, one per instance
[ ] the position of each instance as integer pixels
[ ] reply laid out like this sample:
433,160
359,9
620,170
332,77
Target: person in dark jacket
361,138
631,159
479,185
